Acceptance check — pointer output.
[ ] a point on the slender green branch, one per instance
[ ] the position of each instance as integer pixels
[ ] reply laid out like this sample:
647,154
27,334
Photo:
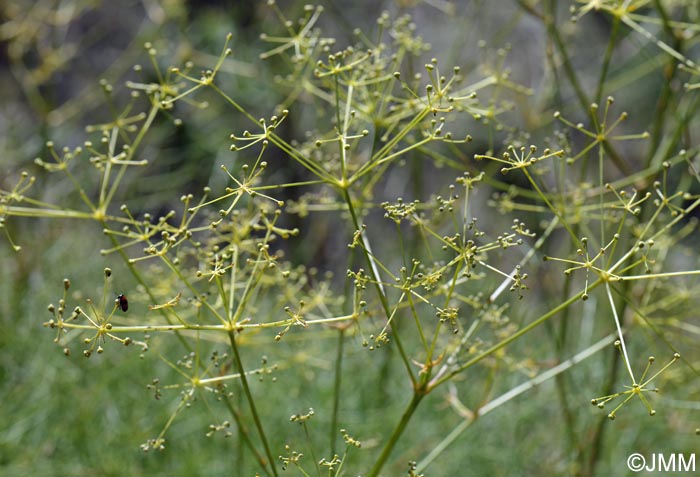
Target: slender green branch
251,404
550,20
488,352
243,431
378,285
336,390
612,42
512,394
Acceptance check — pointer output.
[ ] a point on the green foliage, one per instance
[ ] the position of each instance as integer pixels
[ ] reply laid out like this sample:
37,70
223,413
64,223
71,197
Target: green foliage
348,258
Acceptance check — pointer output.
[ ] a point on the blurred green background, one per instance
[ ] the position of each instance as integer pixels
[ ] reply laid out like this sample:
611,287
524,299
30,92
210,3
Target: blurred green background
65,416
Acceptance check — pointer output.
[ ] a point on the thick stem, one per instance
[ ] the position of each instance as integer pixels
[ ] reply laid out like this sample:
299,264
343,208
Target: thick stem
398,430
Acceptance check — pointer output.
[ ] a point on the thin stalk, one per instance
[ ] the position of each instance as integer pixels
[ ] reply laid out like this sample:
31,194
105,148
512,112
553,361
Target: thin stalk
243,432
511,394
670,71
596,442
619,333
132,151
514,336
560,339
550,21
670,140
382,154
378,286
554,210
612,41
336,390
251,401
583,100
19,211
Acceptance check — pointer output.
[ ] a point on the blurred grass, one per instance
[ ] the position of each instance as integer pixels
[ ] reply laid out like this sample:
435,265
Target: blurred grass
68,416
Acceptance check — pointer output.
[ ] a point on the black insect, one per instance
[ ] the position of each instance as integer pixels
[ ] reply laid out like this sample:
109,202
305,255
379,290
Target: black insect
123,302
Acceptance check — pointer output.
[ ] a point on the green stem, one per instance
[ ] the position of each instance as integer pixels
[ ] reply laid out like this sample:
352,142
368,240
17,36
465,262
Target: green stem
398,430
106,200
612,41
336,390
596,442
665,96
560,339
378,287
550,20
243,431
584,102
515,335
251,401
